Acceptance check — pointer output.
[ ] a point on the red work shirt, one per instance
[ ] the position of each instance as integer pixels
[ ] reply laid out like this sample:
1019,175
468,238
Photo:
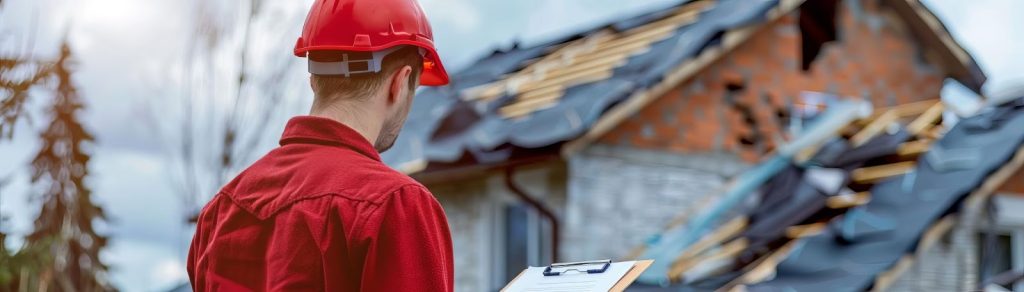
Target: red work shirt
322,213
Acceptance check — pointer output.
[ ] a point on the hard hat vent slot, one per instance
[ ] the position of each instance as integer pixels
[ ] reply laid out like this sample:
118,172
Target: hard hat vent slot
358,66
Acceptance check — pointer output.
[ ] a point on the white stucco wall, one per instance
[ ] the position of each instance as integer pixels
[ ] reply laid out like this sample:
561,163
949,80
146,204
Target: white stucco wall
618,197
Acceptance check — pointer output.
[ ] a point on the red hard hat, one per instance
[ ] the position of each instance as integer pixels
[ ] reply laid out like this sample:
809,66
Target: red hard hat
372,26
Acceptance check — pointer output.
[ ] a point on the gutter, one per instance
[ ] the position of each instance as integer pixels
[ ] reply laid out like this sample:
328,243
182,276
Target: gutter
536,205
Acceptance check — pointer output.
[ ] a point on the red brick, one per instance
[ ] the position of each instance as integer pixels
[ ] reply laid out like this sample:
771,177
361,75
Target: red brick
850,66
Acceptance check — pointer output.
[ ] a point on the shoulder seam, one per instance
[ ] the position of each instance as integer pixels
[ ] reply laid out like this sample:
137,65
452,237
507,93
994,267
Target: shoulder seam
359,228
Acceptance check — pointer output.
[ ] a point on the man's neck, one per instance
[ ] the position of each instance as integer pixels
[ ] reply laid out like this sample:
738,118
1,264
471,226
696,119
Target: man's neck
356,119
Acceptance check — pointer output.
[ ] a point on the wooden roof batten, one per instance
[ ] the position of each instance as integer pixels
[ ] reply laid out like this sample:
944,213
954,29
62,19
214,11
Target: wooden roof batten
543,82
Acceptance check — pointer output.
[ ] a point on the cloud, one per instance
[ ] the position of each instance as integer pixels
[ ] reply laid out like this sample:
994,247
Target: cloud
554,18
460,15
144,266
990,30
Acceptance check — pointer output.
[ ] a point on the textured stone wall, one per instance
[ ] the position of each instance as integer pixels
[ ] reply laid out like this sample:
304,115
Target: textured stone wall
619,197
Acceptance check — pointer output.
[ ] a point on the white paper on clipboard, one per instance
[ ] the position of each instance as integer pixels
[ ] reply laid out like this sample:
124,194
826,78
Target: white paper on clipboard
533,280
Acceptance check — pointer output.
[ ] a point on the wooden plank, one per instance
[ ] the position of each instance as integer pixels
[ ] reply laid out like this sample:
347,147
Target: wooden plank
926,120
848,201
559,54
482,92
726,231
914,108
647,35
606,65
874,128
541,92
801,231
763,269
592,75
526,107
934,133
885,280
613,61
914,148
728,250
626,50
876,173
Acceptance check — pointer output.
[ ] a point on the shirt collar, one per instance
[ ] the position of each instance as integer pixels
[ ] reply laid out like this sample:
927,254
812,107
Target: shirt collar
324,131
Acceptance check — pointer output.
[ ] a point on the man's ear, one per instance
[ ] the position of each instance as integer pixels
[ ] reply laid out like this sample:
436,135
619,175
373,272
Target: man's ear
399,84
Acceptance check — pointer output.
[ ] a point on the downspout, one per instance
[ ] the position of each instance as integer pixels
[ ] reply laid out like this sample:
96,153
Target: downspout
536,205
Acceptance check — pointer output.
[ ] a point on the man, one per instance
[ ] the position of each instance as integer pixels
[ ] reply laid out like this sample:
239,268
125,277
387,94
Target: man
322,212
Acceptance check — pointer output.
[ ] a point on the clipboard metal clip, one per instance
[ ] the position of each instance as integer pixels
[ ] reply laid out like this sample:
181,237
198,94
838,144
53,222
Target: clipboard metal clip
588,267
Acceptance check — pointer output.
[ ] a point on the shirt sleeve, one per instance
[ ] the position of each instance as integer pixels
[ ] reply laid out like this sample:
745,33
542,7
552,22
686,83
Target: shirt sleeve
413,247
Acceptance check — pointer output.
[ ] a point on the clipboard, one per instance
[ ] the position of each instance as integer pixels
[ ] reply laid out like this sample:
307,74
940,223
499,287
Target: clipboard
624,282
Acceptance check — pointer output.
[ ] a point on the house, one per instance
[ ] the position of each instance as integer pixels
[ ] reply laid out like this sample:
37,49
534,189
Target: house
584,147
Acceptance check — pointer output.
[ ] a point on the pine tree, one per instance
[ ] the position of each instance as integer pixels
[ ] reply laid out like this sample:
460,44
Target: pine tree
64,227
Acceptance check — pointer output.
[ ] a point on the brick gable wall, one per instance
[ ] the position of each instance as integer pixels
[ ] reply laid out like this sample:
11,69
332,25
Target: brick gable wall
740,103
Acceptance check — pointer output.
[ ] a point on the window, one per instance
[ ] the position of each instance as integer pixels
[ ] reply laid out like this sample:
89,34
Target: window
995,254
1001,248
522,241
517,235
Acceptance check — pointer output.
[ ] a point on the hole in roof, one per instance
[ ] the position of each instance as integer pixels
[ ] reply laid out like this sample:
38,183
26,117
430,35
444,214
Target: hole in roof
735,86
817,27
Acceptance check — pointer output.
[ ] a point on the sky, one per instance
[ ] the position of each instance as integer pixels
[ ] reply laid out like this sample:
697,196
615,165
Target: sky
126,49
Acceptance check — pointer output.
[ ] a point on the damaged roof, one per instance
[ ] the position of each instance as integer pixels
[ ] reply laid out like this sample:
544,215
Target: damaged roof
546,94
848,213
525,100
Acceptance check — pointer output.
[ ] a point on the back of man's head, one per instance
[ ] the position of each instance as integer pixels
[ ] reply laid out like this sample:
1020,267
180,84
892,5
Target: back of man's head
329,89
